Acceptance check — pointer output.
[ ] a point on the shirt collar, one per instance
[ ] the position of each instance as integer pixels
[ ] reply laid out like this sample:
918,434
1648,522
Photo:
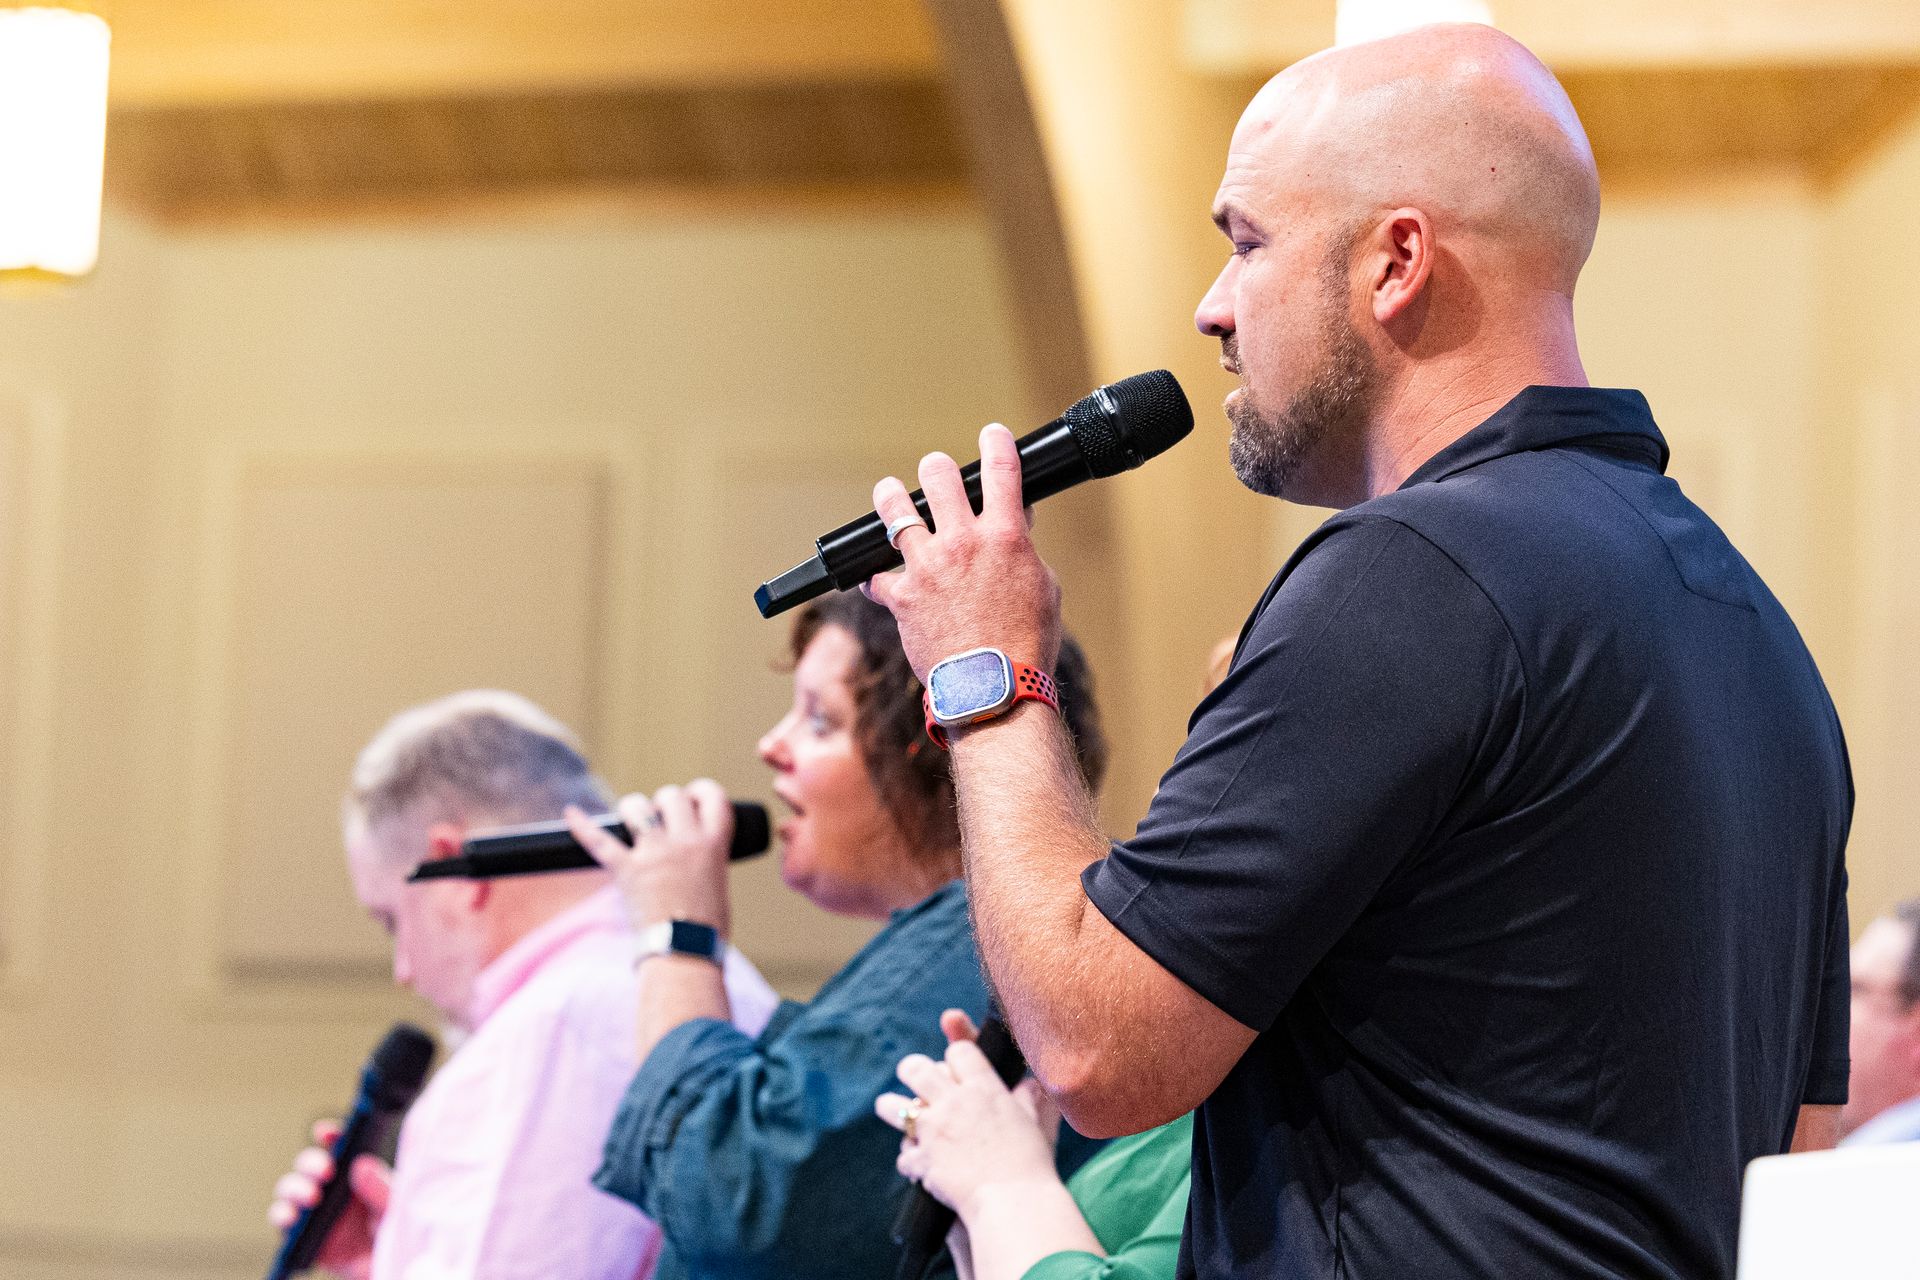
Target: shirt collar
1550,417
601,912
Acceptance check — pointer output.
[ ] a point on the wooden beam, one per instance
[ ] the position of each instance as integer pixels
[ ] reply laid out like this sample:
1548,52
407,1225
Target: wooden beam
212,162
198,52
1011,173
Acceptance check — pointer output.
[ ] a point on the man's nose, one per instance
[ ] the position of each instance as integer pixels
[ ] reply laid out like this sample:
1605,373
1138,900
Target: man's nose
1214,316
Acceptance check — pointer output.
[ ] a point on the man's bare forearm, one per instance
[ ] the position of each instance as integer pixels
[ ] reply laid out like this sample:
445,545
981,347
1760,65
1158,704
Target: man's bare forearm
1120,1042
1027,831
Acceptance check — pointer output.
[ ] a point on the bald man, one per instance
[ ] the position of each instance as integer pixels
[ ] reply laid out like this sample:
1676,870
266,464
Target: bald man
1492,914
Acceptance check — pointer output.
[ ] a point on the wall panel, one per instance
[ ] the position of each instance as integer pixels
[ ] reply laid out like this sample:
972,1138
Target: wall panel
30,430
341,587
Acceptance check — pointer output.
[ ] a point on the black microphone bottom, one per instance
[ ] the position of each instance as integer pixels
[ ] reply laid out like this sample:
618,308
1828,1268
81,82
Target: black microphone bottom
796,586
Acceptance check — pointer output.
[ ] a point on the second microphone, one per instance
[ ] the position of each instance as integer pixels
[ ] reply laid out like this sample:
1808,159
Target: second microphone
549,846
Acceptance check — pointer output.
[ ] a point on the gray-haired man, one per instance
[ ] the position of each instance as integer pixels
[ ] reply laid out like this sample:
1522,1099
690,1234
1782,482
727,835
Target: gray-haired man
492,1176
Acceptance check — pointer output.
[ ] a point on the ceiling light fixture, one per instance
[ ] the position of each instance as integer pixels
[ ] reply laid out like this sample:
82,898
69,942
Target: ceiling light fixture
1358,20
53,131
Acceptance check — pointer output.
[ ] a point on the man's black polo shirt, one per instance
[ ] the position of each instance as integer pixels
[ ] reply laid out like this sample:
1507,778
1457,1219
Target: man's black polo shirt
1516,832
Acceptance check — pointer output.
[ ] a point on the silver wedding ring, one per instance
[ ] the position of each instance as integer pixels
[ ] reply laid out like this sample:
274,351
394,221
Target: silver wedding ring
910,1118
895,527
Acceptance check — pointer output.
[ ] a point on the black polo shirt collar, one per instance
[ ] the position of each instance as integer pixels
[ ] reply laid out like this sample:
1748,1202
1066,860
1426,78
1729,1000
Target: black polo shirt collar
1618,421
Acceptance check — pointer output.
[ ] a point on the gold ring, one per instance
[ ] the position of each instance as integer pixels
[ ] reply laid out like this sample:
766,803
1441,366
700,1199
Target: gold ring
910,1118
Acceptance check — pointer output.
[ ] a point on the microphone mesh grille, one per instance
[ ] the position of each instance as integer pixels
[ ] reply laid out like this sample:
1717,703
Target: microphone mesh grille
400,1063
1120,426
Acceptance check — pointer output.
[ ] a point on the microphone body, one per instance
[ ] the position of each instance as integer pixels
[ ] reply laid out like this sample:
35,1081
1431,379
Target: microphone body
549,846
1115,429
922,1225
388,1086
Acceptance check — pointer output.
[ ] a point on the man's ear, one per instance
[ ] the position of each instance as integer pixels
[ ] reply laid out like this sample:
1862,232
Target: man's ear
1406,254
443,841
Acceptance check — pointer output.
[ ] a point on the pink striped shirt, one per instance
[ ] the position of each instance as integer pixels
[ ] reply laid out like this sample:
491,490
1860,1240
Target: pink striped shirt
492,1176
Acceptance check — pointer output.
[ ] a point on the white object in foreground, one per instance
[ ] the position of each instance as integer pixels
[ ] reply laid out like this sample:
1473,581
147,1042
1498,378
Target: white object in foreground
1832,1213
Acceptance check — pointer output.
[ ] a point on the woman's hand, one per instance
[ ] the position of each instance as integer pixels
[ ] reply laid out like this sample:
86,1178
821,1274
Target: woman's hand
676,868
970,1132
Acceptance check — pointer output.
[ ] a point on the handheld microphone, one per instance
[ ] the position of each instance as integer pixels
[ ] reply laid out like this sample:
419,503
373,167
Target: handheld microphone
550,846
1115,429
922,1225
388,1086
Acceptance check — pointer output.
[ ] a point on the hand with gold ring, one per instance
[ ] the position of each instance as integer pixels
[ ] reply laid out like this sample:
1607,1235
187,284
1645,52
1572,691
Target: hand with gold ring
963,1130
910,1119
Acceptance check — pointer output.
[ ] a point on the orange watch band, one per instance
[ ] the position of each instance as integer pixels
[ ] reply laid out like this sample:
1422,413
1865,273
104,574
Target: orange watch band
1030,683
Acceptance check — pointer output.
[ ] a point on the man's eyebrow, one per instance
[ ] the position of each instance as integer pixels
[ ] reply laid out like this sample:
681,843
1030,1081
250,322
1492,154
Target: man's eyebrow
1226,212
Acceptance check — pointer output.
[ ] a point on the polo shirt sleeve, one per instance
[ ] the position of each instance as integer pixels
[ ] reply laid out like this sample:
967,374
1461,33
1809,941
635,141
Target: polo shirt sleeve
1830,1063
1374,685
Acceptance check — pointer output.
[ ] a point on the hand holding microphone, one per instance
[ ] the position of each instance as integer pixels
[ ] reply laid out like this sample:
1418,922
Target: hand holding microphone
676,866
978,581
1115,429
347,1249
972,578
330,1205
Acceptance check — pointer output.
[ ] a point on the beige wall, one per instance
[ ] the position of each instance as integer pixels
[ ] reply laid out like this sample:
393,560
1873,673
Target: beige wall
1869,408
260,489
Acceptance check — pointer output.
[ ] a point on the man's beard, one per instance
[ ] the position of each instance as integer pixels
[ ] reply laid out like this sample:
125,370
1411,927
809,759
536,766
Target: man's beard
1268,449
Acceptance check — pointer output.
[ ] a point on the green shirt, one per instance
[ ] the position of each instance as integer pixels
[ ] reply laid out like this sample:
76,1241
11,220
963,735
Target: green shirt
1134,1196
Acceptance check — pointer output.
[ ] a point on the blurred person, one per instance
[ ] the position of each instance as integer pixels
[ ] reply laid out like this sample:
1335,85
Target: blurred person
1493,912
763,1157
1883,1091
492,1180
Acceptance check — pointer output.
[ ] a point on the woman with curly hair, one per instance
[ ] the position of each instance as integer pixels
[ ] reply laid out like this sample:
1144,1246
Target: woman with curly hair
762,1157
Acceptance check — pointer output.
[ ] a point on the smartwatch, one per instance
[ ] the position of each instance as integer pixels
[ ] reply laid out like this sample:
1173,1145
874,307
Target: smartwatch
679,938
979,685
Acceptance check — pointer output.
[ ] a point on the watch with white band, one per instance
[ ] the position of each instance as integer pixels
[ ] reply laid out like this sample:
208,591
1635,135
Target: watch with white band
679,938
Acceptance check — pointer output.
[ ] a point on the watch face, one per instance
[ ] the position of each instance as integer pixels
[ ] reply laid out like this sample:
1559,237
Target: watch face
692,939
969,684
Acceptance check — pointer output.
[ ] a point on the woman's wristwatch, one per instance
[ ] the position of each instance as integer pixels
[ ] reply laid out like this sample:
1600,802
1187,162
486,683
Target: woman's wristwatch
679,938
979,685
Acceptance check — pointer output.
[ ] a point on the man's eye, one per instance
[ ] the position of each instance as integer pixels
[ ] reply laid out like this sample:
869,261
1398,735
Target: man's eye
1241,248
820,725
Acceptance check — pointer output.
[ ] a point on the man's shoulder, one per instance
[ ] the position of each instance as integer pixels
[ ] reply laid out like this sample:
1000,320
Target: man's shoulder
1356,556
591,987
1554,526
1481,504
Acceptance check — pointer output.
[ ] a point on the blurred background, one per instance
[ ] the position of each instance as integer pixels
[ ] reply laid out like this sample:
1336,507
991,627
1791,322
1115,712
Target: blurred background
513,342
